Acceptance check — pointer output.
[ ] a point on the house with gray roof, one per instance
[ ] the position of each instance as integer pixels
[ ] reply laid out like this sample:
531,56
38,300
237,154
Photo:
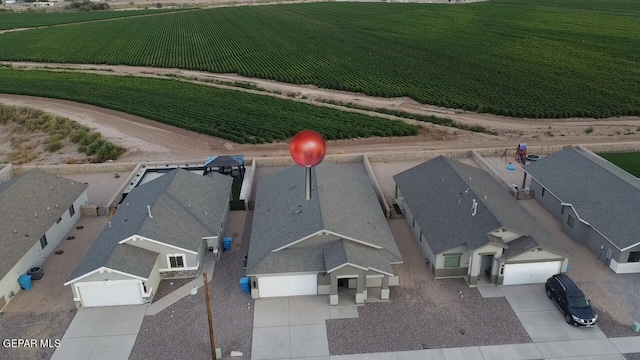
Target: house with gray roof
335,243
468,226
596,202
162,229
37,210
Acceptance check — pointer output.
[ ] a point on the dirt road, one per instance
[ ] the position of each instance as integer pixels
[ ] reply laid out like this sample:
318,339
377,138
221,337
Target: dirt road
149,140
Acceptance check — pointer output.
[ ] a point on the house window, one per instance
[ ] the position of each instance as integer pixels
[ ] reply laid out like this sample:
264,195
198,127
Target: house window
634,256
571,221
542,194
414,223
59,219
561,209
452,261
43,241
72,210
176,261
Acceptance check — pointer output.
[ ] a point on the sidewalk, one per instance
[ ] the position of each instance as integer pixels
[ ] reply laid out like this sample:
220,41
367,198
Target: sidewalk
599,349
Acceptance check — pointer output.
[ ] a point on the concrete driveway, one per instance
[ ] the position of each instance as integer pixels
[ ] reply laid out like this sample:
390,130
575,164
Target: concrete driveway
295,327
541,318
104,333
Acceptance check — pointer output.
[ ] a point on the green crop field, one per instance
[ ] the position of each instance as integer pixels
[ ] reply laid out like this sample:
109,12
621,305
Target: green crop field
25,20
232,115
543,58
630,162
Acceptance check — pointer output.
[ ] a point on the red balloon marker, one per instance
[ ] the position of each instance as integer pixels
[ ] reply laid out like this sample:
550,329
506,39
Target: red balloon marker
307,148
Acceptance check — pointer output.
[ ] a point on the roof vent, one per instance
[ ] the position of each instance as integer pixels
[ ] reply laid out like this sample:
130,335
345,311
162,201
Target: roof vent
47,208
56,206
109,224
50,187
442,179
149,210
189,206
206,213
474,207
35,214
72,183
466,191
127,204
15,231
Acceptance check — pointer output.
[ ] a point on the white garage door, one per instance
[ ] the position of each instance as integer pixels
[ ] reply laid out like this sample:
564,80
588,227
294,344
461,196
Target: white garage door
292,285
108,293
530,273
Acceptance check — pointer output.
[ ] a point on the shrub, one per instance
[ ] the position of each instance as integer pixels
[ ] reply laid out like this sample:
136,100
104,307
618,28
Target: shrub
54,146
588,130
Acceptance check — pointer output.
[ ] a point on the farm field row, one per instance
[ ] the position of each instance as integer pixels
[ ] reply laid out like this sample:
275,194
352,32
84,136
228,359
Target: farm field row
547,58
630,162
33,19
231,115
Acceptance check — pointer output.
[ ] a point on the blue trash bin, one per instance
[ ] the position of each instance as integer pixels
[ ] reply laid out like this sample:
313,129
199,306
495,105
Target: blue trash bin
244,284
226,243
25,282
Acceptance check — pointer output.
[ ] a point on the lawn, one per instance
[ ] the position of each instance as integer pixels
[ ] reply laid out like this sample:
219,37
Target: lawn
544,58
33,19
630,162
232,115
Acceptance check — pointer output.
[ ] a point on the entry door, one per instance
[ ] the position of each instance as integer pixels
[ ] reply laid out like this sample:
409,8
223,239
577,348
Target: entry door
106,293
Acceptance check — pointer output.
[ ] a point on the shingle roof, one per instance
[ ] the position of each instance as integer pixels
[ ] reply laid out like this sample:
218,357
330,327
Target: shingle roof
342,202
185,207
440,194
518,246
23,197
602,195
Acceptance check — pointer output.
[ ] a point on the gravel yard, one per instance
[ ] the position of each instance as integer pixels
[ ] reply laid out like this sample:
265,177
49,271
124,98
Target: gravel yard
425,311
168,286
33,325
634,356
181,331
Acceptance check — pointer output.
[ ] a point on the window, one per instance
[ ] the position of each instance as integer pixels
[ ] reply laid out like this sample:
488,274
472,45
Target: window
452,261
571,221
542,194
72,210
414,223
561,209
176,261
43,241
634,256
59,219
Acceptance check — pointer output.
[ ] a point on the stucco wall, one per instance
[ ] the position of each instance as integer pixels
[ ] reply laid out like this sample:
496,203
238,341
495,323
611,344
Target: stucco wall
534,255
548,201
191,260
154,279
476,258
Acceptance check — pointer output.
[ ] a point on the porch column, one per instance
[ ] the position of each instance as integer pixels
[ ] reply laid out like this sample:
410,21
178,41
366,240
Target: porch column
384,291
360,289
333,290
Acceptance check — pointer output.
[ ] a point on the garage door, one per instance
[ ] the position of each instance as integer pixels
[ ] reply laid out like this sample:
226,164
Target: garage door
292,285
107,293
530,273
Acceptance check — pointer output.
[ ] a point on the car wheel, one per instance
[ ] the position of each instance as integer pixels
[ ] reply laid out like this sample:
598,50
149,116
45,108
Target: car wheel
568,319
549,293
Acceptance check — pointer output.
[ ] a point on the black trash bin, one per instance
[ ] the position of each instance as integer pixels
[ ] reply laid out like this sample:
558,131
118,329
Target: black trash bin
244,261
36,273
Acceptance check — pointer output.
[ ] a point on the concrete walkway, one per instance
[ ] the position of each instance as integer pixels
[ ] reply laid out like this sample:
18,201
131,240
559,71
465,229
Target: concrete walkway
157,306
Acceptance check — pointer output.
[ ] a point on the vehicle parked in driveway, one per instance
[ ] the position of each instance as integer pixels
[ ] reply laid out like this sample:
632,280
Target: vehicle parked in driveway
571,301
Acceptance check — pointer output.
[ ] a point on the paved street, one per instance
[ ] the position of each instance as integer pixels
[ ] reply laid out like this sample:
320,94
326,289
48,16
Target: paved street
104,333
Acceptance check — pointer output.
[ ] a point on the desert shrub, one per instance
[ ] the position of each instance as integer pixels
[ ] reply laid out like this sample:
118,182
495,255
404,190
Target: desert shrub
54,146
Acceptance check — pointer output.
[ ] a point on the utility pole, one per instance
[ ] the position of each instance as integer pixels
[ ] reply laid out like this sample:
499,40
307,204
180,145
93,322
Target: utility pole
210,316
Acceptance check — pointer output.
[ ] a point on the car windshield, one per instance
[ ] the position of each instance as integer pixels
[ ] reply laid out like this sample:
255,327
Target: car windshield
578,301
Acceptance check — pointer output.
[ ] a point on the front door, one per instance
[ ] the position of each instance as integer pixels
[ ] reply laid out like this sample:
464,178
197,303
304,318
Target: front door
485,267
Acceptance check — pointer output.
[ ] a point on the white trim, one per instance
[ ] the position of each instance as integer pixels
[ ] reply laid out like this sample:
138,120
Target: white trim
142,238
109,270
329,233
345,264
374,276
287,273
179,269
184,261
147,294
297,241
380,271
354,240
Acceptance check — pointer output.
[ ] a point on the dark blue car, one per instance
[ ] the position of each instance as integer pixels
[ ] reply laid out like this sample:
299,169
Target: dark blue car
571,301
